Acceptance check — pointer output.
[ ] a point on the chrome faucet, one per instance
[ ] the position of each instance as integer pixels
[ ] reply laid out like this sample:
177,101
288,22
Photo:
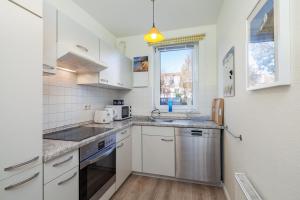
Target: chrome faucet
155,111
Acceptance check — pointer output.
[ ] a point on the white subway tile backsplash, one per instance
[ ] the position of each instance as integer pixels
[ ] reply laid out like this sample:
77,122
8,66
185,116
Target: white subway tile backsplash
64,101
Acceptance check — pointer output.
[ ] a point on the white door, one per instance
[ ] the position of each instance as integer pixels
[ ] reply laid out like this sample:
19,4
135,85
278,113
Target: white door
136,135
109,56
50,56
34,6
159,155
123,161
25,186
73,37
65,187
21,38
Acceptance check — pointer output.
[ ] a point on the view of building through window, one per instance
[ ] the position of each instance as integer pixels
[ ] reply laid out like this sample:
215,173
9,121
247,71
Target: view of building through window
176,77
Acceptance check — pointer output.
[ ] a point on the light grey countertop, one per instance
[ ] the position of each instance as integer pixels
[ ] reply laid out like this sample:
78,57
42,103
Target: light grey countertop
55,148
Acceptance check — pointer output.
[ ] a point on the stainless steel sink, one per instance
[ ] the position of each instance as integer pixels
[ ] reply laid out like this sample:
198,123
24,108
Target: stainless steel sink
162,120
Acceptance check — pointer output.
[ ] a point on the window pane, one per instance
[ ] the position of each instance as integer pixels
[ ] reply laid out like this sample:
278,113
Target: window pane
176,77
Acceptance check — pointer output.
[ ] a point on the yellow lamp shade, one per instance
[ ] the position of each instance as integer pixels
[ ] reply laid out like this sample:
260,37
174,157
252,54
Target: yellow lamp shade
154,36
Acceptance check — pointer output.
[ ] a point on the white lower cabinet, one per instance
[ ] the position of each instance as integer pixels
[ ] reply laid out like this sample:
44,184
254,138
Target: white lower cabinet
123,162
159,155
65,187
136,135
26,186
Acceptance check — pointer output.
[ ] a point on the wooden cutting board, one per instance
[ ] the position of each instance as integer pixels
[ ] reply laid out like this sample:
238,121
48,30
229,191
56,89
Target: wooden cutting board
218,111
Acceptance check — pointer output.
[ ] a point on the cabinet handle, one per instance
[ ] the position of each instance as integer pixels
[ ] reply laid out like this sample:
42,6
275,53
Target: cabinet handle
22,182
48,67
62,162
120,145
21,164
67,180
104,80
82,48
124,132
165,140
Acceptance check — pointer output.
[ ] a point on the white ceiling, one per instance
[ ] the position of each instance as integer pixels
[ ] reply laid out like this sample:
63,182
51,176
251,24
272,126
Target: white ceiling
133,17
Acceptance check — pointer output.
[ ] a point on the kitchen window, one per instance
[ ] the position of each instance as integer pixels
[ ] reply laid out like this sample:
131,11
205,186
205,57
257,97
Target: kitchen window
176,77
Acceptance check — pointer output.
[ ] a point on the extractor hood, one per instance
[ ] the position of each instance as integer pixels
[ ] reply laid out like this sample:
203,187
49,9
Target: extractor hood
80,63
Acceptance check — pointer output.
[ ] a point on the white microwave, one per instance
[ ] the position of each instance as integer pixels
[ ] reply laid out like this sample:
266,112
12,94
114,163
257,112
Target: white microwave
121,112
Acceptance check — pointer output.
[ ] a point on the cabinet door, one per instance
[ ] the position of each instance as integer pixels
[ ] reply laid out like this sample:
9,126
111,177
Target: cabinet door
34,6
49,60
159,155
26,186
65,187
110,57
126,72
123,161
74,37
21,37
136,135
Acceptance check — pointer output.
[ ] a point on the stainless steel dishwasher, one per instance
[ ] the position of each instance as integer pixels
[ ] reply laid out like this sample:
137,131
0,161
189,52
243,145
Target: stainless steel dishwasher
198,155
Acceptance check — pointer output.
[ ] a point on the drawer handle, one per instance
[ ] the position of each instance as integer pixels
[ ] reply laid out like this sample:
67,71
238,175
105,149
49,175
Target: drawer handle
62,162
165,140
22,182
82,48
67,180
120,145
21,164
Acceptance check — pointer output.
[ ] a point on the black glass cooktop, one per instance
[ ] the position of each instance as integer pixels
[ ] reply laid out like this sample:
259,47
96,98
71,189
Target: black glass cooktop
76,134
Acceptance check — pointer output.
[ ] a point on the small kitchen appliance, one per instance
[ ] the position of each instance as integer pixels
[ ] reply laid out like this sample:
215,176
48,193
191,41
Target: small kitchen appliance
103,116
121,112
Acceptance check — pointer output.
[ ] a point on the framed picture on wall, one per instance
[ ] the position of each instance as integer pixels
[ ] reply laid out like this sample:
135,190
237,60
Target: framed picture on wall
229,74
268,45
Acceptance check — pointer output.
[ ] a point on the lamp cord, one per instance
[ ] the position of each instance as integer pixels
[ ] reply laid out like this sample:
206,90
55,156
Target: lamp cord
153,13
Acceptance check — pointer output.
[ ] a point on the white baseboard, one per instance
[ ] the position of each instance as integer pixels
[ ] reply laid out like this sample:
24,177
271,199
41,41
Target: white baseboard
226,193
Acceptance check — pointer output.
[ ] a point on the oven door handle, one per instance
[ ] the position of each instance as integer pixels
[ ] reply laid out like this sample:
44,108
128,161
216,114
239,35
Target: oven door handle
99,157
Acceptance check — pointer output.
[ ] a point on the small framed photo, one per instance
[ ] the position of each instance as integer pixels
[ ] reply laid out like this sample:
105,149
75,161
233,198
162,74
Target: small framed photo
141,64
268,45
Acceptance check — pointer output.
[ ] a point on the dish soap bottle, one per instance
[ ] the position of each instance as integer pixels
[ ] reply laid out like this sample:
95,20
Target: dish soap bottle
170,105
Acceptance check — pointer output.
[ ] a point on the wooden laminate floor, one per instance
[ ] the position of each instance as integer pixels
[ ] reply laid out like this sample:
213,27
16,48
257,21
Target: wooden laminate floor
148,188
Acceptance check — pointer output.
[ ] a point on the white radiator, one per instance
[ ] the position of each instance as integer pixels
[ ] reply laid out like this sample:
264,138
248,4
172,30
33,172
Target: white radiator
244,189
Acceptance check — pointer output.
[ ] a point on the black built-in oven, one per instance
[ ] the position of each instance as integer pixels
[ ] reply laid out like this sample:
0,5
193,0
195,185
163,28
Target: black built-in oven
97,168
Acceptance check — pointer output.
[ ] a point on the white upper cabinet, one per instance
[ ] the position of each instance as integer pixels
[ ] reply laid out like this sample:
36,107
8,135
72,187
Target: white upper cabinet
126,72
74,37
33,6
77,48
50,30
21,37
110,56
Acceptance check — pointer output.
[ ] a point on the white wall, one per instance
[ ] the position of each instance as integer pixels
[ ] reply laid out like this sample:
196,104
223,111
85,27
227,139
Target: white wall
142,98
268,119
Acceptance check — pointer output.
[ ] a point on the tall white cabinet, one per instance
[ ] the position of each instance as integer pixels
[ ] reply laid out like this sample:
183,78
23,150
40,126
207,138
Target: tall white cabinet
21,38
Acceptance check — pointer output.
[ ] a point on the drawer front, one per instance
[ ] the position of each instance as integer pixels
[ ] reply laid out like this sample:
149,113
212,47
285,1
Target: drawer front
65,187
27,185
158,131
121,135
58,166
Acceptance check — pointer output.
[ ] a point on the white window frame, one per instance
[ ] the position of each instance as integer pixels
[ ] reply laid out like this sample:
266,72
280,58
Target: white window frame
177,108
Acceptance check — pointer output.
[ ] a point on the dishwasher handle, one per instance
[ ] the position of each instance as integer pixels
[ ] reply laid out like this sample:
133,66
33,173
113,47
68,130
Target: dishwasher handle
197,133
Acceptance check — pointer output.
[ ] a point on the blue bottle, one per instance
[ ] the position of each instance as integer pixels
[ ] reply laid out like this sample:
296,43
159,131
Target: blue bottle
170,105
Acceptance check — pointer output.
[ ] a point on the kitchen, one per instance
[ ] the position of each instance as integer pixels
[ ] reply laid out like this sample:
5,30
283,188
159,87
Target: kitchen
96,107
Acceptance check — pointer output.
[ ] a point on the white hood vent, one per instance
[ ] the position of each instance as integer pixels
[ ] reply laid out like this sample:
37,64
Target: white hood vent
79,63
